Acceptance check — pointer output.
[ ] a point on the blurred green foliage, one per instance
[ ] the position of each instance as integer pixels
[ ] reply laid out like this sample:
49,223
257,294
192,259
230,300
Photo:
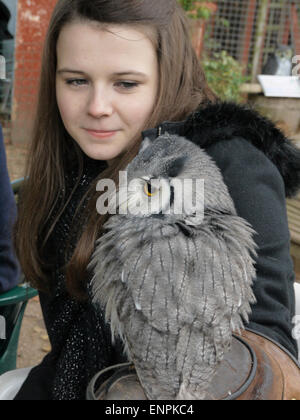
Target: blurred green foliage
196,10
224,75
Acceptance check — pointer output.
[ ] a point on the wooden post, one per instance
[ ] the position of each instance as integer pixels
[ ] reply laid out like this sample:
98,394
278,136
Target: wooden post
198,27
248,34
287,29
260,37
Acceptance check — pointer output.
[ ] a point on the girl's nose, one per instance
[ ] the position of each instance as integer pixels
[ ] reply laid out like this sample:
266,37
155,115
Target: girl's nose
100,104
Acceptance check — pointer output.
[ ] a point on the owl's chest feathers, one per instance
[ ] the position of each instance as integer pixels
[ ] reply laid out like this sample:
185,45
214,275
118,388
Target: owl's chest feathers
284,67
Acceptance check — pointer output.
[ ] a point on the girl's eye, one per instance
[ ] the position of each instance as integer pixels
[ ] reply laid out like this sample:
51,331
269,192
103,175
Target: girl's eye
81,82
128,85
75,82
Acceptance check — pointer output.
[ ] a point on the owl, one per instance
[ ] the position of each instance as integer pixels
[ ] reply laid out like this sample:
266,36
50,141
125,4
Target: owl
279,62
174,281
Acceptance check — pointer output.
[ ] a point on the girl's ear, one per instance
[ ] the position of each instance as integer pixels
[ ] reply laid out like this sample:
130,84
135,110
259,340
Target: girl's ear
145,143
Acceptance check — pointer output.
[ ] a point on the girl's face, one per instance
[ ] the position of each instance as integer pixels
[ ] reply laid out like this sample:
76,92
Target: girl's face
105,82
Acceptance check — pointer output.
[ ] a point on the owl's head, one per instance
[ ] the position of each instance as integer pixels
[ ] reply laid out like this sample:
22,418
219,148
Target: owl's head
284,52
170,180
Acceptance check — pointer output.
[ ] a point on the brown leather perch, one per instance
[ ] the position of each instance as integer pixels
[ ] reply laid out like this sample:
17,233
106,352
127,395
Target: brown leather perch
256,368
277,374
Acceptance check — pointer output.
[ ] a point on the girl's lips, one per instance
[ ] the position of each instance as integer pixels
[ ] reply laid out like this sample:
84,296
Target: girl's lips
101,134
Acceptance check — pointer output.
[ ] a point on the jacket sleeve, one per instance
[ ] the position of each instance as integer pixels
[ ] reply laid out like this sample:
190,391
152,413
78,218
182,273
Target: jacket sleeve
9,267
258,191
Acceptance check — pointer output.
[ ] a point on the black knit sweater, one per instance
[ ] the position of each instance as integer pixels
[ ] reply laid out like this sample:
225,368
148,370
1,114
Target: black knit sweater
80,338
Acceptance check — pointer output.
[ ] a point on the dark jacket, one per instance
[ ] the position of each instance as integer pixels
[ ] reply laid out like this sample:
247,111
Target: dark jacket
260,167
5,16
9,267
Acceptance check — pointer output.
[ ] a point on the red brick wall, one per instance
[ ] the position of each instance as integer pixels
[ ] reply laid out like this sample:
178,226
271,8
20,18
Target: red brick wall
32,23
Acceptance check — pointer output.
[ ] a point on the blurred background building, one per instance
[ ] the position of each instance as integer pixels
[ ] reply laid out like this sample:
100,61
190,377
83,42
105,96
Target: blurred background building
28,24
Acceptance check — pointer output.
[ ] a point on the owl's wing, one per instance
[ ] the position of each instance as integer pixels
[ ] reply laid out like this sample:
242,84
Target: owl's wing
176,298
203,275
271,66
177,280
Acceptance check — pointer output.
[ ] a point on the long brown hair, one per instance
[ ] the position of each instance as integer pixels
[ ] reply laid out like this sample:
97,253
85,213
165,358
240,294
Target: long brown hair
182,88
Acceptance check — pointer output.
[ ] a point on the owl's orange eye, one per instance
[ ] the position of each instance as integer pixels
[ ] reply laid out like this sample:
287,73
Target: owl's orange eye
149,190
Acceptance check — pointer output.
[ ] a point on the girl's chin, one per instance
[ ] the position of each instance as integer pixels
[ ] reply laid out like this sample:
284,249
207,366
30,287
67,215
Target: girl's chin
97,153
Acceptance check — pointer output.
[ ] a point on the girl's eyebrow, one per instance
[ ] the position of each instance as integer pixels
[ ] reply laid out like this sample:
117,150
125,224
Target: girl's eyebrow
122,73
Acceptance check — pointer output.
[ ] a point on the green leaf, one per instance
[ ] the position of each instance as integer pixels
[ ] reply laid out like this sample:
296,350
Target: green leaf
224,75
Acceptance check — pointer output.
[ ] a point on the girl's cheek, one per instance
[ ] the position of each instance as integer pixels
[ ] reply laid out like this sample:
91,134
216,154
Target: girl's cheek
138,110
67,106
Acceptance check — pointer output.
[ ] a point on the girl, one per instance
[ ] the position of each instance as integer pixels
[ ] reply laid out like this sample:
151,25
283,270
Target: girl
112,73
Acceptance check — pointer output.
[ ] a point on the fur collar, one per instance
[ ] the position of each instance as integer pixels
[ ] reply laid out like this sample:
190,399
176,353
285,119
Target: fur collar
223,121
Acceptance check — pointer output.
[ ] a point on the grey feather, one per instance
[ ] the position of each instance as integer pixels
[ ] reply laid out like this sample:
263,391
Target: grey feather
175,287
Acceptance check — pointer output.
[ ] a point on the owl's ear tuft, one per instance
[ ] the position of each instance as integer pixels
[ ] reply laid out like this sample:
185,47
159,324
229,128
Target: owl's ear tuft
176,166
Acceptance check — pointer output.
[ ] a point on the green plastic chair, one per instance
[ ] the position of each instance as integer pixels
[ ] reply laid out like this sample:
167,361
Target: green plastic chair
12,308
